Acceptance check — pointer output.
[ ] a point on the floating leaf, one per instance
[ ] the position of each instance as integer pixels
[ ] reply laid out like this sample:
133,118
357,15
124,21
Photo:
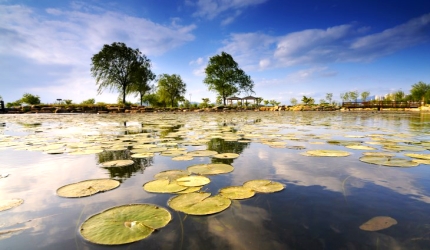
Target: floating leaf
378,223
237,192
118,163
381,154
193,181
404,148
199,203
87,188
8,204
183,158
142,155
202,153
163,186
171,174
419,156
327,153
124,224
189,190
226,156
360,147
264,186
207,169
421,161
389,161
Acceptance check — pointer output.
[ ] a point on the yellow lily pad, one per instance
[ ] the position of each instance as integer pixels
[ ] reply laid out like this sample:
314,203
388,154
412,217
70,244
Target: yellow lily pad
264,186
226,156
193,181
118,163
8,204
389,161
87,188
378,223
208,169
199,203
163,186
327,153
237,192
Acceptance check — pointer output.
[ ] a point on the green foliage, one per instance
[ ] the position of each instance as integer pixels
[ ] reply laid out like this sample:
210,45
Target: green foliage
30,99
171,88
364,95
67,101
115,66
141,79
90,101
13,104
308,100
274,102
329,97
218,100
293,101
399,95
420,92
205,103
344,96
266,102
224,77
353,95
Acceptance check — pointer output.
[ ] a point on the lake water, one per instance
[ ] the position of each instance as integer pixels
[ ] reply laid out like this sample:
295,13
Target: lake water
324,202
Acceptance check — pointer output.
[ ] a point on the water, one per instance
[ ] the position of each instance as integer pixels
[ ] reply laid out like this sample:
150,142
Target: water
324,202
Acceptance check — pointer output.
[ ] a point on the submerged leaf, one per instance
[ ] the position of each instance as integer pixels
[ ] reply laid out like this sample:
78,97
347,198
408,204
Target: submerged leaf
87,188
378,223
124,224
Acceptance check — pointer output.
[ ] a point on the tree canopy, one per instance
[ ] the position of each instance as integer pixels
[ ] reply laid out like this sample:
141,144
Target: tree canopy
141,79
114,67
172,88
224,77
421,91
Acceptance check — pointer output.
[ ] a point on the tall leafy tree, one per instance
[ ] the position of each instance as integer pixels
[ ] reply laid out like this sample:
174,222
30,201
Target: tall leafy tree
353,95
30,99
344,96
364,95
420,91
172,88
141,79
293,101
329,97
113,67
224,76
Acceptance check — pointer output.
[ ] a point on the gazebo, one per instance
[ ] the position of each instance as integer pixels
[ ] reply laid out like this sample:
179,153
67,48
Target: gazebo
233,98
255,99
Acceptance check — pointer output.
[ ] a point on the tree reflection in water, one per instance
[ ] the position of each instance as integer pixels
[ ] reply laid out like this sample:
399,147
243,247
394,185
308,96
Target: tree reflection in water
123,173
222,146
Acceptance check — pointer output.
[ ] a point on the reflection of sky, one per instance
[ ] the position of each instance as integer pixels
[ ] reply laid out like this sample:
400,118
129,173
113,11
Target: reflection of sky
34,177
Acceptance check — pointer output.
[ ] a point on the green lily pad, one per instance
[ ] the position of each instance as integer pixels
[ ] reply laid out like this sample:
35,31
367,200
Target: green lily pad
163,186
421,161
389,161
327,153
189,190
381,154
193,181
207,169
202,153
237,192
419,156
172,153
8,204
264,186
118,163
404,148
171,174
360,147
378,223
124,224
199,203
226,156
142,155
87,188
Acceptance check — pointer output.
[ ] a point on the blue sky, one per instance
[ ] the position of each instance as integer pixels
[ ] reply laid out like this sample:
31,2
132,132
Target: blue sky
289,48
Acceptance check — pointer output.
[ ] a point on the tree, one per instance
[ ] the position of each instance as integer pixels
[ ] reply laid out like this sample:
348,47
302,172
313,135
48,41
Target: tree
171,87
218,100
141,79
420,91
399,95
68,101
329,97
90,101
266,102
30,99
114,67
364,95
205,103
224,77
344,96
308,100
353,95
293,101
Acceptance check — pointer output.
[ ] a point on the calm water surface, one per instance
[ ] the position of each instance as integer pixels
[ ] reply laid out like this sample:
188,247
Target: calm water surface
324,202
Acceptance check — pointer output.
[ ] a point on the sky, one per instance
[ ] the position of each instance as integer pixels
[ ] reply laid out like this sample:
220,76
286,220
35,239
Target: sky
289,48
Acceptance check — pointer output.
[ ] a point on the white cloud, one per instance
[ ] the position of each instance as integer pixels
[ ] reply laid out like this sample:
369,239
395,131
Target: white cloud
198,61
342,43
212,8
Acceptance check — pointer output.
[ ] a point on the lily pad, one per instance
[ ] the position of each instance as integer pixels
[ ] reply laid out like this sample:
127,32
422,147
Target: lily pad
264,186
226,156
360,147
327,153
124,224
419,156
183,158
8,204
202,153
171,174
199,203
163,186
193,181
118,163
237,192
87,188
207,169
378,223
381,154
189,190
389,161
142,155
404,148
